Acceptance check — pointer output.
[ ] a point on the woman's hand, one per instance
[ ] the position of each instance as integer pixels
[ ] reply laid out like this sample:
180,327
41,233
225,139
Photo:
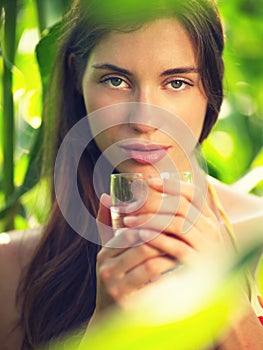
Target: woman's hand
165,230
190,229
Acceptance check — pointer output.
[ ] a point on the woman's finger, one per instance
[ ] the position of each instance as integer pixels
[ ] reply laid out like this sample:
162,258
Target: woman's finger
199,235
103,219
170,223
125,239
118,266
175,187
174,247
139,276
175,203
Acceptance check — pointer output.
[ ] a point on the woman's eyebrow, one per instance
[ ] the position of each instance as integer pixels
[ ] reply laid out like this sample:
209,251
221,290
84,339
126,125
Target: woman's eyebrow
111,67
180,70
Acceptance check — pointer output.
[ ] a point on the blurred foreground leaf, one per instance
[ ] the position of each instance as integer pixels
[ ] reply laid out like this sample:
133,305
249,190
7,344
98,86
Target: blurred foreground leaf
144,327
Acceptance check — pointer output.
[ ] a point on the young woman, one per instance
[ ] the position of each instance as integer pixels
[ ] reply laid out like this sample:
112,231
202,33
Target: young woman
166,54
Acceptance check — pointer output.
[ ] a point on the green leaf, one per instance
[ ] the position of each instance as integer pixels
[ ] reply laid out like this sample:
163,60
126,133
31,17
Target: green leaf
46,52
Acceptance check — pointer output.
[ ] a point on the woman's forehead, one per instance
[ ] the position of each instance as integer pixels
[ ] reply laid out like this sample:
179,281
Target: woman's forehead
163,39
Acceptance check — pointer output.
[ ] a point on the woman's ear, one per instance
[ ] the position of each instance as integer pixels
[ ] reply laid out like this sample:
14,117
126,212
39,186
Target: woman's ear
72,66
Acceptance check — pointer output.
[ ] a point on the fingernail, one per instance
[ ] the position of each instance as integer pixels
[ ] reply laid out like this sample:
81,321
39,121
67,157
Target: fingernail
131,207
129,220
106,200
147,235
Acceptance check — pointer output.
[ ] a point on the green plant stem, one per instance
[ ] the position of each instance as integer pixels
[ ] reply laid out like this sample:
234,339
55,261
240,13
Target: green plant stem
8,133
8,130
41,14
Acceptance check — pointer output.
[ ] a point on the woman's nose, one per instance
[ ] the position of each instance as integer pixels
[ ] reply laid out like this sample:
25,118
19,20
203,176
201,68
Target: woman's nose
144,116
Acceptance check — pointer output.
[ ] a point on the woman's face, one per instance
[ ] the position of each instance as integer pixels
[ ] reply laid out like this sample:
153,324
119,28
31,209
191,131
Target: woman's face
154,65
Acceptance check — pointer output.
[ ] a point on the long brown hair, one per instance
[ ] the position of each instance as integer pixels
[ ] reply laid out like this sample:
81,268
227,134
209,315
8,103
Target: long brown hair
58,290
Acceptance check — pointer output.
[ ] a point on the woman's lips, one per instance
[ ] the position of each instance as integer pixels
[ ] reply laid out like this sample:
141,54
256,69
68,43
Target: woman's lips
145,153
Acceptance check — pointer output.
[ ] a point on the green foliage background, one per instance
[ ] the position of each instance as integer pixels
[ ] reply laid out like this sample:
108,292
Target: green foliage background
235,146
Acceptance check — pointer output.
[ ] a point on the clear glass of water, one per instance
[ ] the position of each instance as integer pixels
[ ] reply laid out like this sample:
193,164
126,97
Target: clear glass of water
126,188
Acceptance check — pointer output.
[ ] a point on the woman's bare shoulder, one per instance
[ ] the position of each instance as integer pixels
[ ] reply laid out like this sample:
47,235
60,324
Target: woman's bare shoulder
18,246
235,199
244,210
16,250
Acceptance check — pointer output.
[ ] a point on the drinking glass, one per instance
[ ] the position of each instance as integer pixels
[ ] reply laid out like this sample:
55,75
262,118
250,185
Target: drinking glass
126,188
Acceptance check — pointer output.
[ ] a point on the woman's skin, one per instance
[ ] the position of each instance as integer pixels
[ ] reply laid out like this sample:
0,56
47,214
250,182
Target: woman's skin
16,250
155,65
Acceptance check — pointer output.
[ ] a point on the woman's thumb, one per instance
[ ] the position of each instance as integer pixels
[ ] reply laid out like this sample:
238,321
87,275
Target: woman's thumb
104,219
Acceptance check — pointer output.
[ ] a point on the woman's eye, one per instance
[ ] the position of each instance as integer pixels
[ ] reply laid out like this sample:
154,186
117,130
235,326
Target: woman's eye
179,85
176,84
115,82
